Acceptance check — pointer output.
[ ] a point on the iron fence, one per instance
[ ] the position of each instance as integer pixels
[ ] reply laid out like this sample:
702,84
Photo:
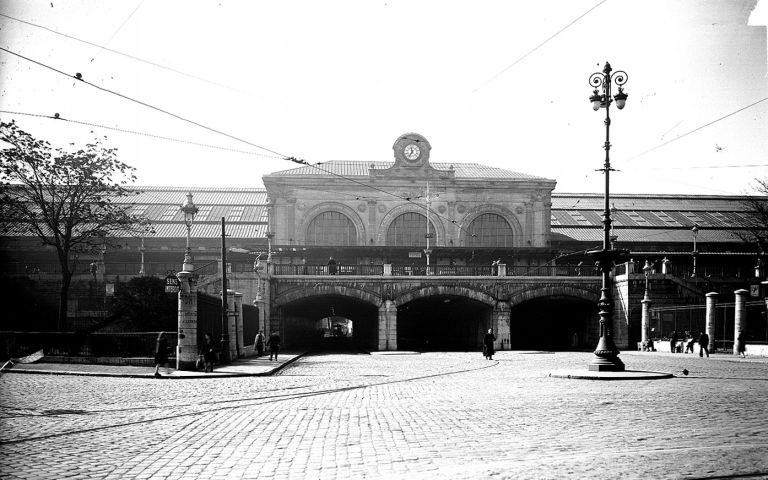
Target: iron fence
690,320
72,344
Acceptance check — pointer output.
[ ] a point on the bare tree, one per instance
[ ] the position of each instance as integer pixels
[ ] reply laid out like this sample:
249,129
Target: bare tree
64,198
756,231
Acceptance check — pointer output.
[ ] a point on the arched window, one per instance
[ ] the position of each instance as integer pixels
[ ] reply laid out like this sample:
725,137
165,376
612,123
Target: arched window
408,230
490,230
331,228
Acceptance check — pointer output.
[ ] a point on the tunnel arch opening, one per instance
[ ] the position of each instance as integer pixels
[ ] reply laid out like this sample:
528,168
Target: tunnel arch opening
330,322
555,322
442,323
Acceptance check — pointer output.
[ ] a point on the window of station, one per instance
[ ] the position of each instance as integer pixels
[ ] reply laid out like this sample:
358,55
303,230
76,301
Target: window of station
409,230
331,228
666,219
236,213
722,218
490,230
580,219
695,218
139,210
204,213
170,213
637,218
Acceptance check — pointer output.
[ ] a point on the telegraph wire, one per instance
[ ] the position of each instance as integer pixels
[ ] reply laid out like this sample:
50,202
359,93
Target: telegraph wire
537,47
79,77
145,134
116,52
111,37
695,130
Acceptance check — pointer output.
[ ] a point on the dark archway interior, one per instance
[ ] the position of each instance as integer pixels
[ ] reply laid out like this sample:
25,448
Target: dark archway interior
303,323
442,322
550,324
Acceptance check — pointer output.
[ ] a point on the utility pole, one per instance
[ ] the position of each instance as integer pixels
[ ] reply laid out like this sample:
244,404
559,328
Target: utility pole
224,318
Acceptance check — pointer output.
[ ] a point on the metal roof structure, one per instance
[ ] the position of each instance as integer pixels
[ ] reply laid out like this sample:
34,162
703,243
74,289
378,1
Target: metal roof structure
357,168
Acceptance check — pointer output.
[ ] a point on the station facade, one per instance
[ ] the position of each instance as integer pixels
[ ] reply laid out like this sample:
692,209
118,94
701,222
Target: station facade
426,255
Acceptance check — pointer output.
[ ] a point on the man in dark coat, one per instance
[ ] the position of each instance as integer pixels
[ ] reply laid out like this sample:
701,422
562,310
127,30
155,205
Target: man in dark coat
703,344
274,345
488,340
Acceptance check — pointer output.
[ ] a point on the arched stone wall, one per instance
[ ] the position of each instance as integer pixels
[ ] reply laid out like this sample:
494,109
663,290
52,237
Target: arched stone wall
299,293
507,214
458,291
331,207
530,293
386,221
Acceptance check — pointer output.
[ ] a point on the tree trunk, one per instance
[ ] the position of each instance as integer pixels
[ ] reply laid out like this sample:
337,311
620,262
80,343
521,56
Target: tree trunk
66,280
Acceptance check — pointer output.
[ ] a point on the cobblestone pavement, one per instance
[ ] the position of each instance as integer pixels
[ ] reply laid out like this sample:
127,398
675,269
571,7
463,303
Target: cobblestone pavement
434,415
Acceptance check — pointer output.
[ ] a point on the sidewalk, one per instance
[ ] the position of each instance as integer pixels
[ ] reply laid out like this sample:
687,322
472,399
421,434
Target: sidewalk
242,367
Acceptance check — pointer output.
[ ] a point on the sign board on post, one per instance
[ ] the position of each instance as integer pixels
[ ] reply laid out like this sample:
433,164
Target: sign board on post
414,254
110,290
171,284
754,290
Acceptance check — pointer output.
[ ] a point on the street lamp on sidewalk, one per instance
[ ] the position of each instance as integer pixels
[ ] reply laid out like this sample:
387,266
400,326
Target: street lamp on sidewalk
606,354
190,210
695,232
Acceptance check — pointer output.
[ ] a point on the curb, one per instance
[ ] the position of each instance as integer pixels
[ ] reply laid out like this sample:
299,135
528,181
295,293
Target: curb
195,375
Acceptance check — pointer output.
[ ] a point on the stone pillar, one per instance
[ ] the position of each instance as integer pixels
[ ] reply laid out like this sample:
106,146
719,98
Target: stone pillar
711,315
500,322
645,320
388,269
239,324
502,270
388,325
231,332
740,318
186,350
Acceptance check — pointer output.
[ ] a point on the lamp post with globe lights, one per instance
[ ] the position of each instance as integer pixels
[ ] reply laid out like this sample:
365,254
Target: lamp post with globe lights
695,232
606,354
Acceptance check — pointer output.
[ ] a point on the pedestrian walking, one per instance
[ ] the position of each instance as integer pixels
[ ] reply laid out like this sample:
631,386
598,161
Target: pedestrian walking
488,340
331,266
673,341
274,345
741,345
161,353
703,344
208,351
259,343
689,345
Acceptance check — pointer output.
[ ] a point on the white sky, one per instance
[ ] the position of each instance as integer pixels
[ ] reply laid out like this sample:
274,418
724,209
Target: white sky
323,80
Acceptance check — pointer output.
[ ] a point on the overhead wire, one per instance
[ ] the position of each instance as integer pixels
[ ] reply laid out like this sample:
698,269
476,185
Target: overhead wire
145,134
505,69
127,55
694,130
80,78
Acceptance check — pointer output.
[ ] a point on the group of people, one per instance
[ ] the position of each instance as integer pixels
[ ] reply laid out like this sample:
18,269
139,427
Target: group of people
741,343
273,343
207,352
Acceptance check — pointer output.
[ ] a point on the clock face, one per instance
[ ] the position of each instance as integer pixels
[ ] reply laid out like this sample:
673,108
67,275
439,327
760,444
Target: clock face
411,152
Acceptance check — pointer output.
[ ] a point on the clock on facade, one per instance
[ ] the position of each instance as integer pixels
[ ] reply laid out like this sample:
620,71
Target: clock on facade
411,152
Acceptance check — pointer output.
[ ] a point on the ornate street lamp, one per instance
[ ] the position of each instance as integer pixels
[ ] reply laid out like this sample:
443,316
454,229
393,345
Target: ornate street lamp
606,354
146,230
189,210
695,232
647,268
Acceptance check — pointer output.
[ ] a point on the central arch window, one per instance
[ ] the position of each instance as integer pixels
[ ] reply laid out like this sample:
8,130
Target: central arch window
331,228
408,230
490,230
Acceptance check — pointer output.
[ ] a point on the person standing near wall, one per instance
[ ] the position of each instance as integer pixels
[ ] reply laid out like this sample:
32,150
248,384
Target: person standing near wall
259,344
161,353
